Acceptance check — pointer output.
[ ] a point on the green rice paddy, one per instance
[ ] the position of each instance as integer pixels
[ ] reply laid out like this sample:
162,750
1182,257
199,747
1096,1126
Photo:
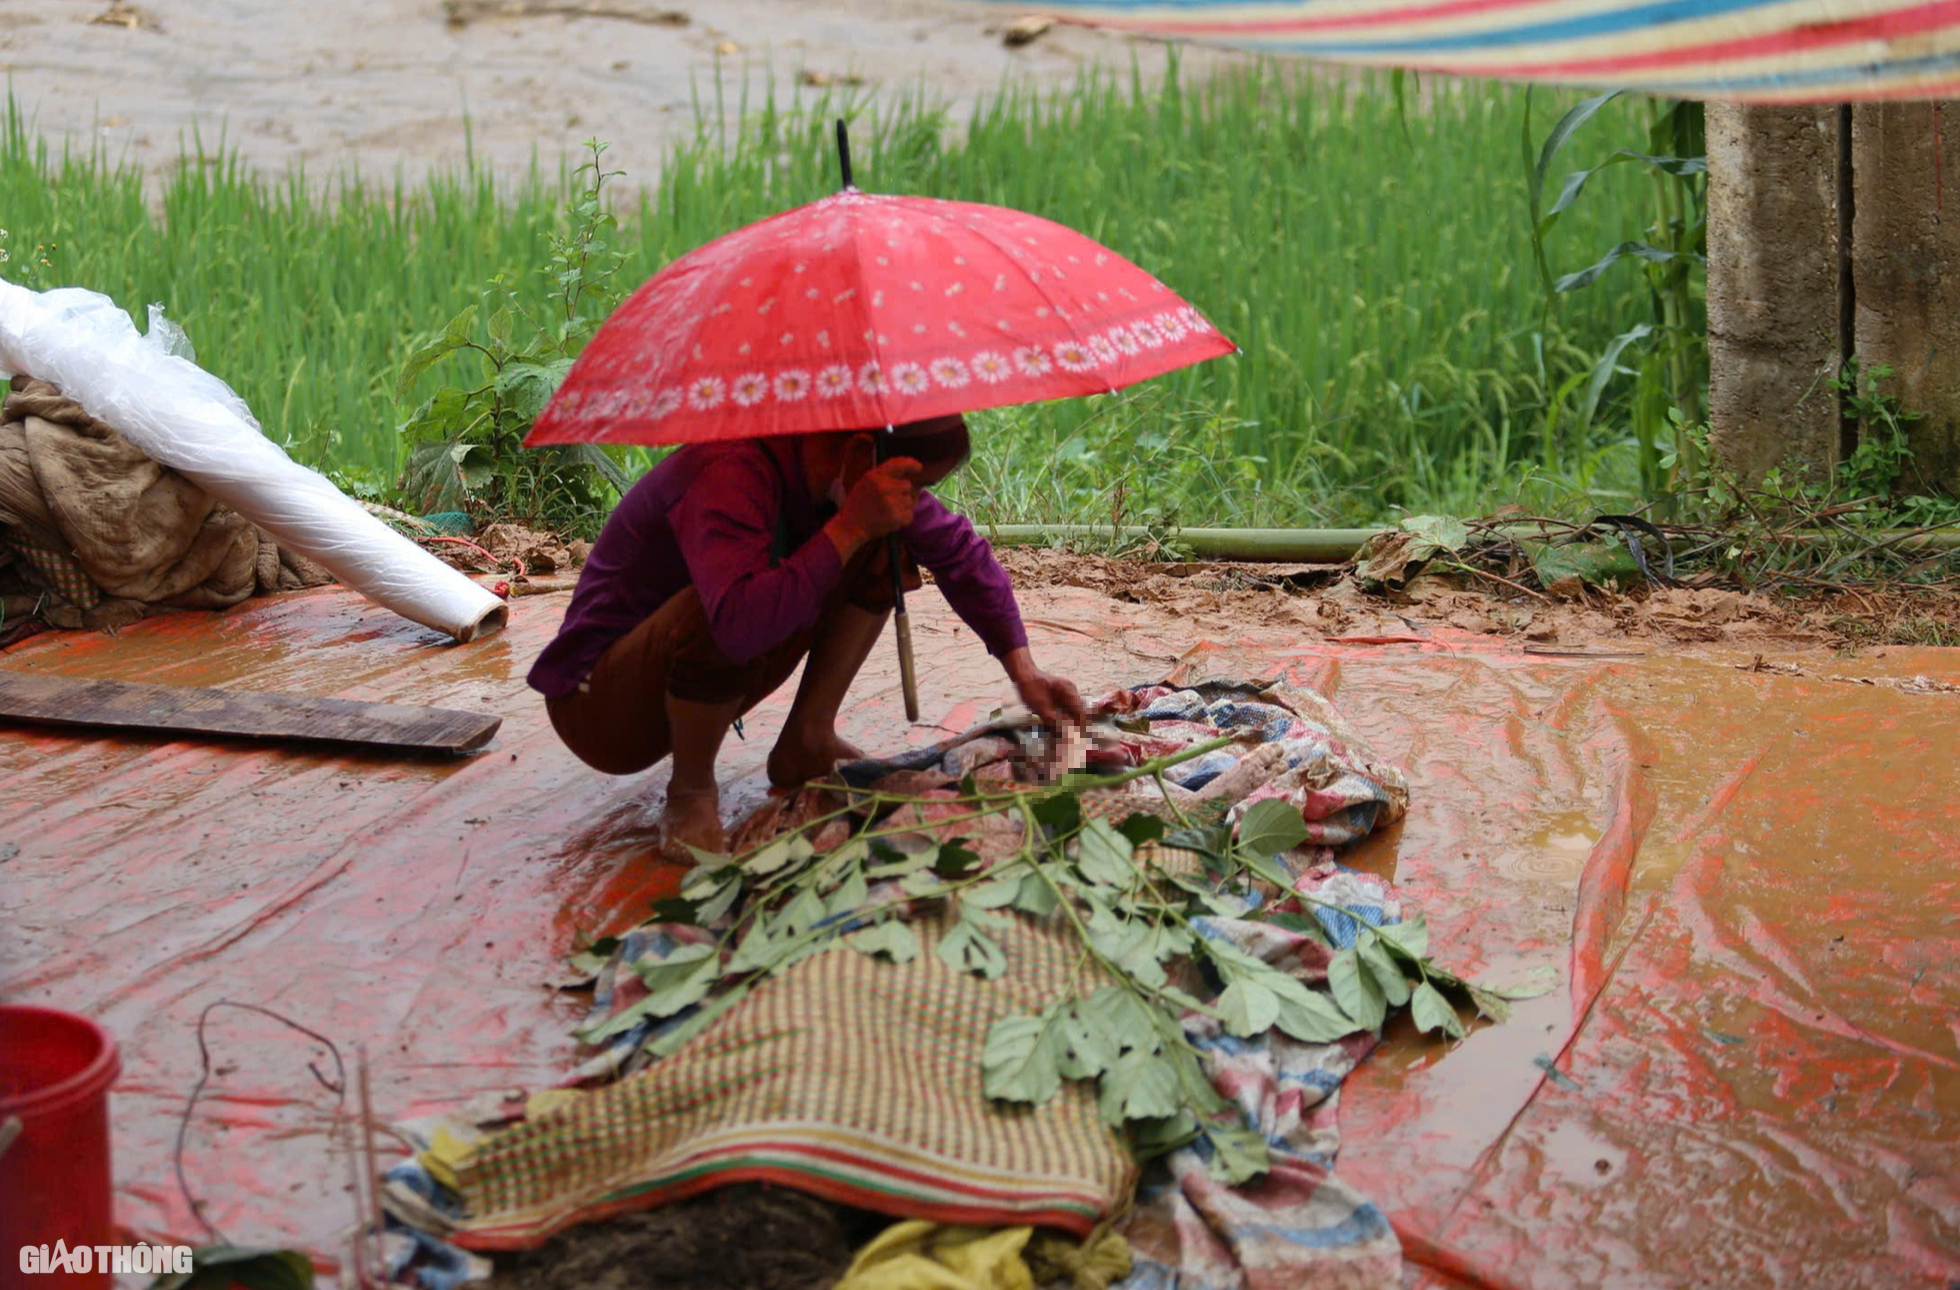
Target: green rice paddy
1371,258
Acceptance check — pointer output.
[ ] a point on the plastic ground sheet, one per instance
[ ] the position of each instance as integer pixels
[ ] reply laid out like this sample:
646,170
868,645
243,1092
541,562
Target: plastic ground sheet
1750,879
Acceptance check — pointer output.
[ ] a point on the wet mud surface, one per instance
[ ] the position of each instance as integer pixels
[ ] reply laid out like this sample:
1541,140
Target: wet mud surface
1739,856
746,1237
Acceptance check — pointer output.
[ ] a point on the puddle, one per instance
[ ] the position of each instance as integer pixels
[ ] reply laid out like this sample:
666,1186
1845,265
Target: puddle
1555,853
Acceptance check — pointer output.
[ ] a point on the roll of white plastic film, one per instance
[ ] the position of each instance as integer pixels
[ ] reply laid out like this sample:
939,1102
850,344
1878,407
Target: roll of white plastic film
177,413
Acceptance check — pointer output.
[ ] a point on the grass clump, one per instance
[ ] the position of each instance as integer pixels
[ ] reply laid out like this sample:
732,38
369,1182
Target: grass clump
1376,265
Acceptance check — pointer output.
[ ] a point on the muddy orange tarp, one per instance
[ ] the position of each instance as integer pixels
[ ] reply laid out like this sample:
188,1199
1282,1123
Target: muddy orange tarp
1751,879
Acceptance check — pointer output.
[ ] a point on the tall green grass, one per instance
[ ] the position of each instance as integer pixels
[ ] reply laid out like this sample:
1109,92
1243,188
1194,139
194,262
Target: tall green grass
1373,263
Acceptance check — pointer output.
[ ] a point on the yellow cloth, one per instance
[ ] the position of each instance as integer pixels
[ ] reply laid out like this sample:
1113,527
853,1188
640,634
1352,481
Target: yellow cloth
447,1152
1096,1264
917,1255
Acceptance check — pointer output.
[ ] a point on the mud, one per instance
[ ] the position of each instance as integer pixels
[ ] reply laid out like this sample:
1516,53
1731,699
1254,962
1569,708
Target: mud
1322,601
745,1237
387,84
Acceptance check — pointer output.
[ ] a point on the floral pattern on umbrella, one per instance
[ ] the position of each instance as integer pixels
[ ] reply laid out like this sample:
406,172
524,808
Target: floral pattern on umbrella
865,310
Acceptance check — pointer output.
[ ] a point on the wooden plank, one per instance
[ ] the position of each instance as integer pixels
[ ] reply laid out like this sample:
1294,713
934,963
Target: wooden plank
183,710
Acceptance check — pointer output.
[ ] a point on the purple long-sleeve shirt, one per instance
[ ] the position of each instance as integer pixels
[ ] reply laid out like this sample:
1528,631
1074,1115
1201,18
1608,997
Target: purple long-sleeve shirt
711,515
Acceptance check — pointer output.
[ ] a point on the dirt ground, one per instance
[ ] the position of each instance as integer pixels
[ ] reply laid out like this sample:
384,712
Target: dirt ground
384,84
1325,602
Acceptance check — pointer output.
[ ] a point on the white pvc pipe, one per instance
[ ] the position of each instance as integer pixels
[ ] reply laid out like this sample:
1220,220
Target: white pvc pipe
179,414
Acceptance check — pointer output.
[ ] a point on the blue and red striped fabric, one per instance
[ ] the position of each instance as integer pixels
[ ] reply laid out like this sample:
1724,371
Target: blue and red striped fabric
1766,51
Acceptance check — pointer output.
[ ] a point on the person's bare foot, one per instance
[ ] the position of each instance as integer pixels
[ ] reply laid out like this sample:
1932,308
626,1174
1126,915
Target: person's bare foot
692,819
794,762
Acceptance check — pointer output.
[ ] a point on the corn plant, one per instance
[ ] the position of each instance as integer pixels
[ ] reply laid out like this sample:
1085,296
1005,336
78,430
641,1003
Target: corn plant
1671,346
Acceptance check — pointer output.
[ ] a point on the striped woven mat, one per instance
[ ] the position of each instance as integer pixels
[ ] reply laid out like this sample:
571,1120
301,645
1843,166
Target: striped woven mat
848,1077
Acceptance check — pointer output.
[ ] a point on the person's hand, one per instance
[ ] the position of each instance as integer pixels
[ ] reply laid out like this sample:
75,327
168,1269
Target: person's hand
1052,698
878,505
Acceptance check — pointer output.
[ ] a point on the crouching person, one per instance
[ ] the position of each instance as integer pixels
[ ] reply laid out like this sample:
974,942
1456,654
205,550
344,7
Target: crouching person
730,563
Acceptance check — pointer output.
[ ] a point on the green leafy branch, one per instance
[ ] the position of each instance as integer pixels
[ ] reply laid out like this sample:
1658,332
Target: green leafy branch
1144,959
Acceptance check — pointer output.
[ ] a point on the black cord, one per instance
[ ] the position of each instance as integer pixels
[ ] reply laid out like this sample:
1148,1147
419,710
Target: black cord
1627,525
337,1086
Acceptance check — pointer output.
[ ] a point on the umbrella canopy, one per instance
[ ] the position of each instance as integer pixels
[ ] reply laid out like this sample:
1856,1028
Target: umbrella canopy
1762,51
862,310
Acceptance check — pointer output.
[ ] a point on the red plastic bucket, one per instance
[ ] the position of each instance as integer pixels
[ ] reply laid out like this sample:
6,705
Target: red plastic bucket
55,1073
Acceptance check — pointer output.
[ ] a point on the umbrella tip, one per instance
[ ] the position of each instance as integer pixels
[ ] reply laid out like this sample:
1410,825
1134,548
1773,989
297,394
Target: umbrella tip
844,154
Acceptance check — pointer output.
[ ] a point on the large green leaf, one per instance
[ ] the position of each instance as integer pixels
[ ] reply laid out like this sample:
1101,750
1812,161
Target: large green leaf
1141,827
1239,1153
1386,971
680,980
850,894
1433,1012
524,388
804,911
1037,896
998,894
778,855
1122,1015
475,465
1061,812
1597,564
677,982
1021,1060
1141,1085
1437,533
1410,937
1135,945
753,952
454,337
891,938
1270,827
697,1021
1575,183
1301,1012
1494,1006
1313,1019
1356,990
1089,1047
1103,855
1248,1008
966,948
903,865
1153,1138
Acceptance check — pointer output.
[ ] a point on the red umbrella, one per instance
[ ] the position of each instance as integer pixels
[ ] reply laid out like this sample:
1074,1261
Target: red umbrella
862,311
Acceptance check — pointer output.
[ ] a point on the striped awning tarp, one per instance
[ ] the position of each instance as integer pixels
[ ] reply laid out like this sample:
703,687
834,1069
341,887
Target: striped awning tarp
1765,51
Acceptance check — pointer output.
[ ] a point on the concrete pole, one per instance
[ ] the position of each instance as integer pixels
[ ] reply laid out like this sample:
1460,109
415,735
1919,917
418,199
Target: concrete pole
1773,317
1907,260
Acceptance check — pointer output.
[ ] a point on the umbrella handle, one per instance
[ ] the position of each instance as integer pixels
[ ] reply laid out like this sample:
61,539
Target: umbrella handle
902,626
